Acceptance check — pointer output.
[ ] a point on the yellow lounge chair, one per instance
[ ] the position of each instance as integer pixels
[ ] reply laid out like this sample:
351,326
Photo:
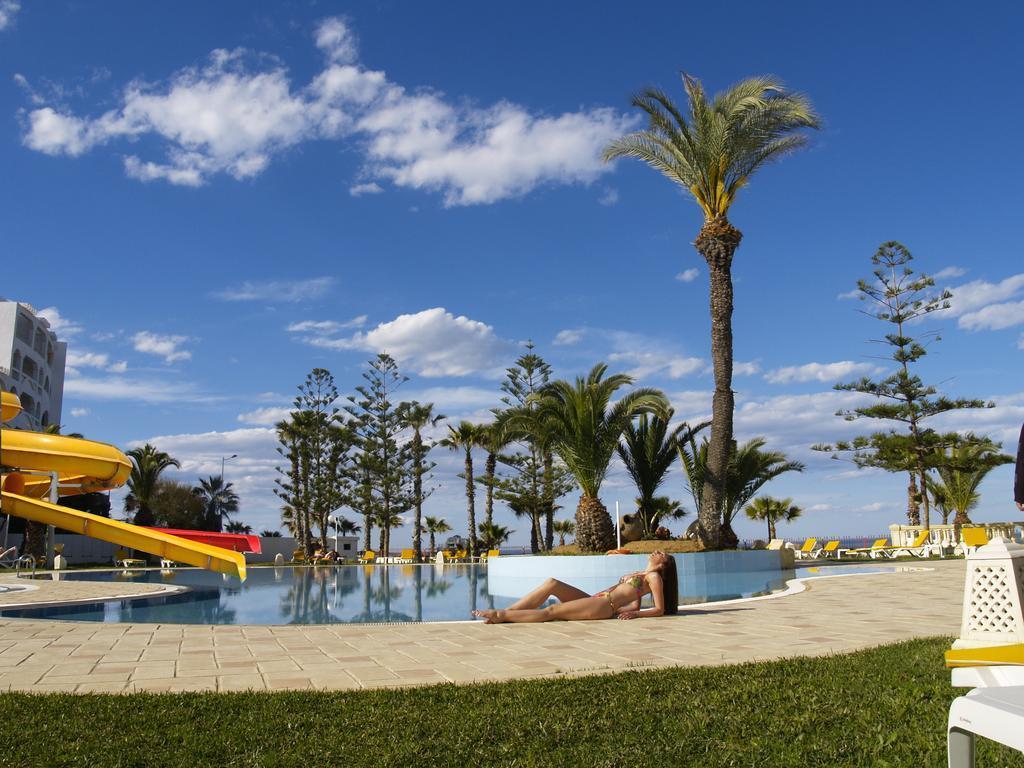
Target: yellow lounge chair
776,544
299,556
123,559
407,556
971,537
920,547
369,556
831,549
807,550
879,545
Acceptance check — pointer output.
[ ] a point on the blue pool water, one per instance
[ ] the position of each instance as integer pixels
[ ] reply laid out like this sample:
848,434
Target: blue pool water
352,594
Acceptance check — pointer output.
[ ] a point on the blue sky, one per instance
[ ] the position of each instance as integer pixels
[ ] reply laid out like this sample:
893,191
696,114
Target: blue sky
212,200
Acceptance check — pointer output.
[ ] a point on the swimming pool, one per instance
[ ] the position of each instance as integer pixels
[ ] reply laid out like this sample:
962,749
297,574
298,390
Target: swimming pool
353,594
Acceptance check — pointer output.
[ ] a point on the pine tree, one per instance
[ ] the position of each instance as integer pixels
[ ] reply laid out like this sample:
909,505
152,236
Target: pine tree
900,297
385,466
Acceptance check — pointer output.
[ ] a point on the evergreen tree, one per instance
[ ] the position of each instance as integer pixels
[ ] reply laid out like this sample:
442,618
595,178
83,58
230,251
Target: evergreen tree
384,470
899,297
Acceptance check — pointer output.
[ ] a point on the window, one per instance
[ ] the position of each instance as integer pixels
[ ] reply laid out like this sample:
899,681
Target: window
16,365
45,421
39,345
23,328
348,545
49,353
29,367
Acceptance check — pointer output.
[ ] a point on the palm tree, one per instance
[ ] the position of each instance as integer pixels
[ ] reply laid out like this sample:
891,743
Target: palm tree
494,438
749,468
564,528
148,464
386,523
346,527
236,526
467,436
648,449
269,534
434,526
419,416
219,501
663,507
711,151
584,428
773,511
961,468
492,536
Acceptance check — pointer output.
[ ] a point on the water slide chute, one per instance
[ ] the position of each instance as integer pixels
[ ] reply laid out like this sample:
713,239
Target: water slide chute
86,466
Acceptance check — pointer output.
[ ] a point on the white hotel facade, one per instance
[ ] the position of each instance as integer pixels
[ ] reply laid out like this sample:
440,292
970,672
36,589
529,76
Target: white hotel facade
31,364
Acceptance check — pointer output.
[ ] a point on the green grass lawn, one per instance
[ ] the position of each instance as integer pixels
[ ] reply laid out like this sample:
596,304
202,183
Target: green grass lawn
878,708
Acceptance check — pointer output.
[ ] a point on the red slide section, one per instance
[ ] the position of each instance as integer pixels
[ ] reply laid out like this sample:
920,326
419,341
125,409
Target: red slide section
236,542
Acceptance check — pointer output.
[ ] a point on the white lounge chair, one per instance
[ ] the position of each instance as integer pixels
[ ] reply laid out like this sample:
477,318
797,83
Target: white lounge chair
994,713
776,544
9,557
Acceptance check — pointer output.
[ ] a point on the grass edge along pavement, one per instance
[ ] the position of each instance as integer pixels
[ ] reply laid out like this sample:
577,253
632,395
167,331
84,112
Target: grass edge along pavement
881,707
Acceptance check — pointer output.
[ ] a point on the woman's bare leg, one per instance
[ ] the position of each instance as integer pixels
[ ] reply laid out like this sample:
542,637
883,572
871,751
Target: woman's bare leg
583,609
550,588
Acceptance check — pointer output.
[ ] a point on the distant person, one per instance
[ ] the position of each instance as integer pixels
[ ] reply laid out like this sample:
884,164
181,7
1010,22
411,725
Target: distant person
622,600
1018,484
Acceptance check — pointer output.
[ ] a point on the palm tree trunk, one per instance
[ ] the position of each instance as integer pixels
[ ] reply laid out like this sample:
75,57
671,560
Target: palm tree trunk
491,467
417,490
433,546
549,501
35,541
962,518
771,529
594,529
717,242
471,503
913,505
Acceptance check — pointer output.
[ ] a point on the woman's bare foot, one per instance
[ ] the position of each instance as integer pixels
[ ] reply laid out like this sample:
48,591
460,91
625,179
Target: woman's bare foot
490,616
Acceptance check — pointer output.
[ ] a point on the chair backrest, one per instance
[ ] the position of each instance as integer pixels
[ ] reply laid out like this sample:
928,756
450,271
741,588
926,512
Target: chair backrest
974,537
493,553
299,555
121,554
369,554
832,546
921,538
460,555
776,544
809,545
407,554
880,544
10,552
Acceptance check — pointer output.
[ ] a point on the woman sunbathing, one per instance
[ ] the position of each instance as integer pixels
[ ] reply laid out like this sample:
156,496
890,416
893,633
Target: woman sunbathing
622,600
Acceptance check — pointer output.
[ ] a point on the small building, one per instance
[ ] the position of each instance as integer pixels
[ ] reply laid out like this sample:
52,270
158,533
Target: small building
31,364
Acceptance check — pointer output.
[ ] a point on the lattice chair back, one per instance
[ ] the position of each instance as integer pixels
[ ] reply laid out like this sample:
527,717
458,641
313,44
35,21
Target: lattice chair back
992,611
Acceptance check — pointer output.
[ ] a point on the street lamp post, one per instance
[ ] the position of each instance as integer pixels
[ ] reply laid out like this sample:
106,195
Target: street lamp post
220,514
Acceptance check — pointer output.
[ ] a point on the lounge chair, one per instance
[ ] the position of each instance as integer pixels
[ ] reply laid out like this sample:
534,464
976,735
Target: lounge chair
920,547
407,556
9,557
831,549
123,559
776,544
166,562
877,549
299,556
368,557
970,539
807,550
491,553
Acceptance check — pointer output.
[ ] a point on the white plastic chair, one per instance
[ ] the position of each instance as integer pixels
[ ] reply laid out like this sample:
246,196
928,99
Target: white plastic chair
993,713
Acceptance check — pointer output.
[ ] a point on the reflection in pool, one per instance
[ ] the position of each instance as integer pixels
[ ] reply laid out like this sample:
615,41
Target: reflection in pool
356,594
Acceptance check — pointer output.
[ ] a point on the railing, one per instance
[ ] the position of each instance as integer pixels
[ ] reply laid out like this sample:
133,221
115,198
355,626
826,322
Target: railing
948,535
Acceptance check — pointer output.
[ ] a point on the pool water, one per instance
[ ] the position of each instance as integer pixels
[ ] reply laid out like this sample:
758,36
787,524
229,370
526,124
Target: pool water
354,594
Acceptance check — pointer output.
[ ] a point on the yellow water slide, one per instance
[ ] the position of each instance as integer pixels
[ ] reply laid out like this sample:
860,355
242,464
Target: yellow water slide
85,466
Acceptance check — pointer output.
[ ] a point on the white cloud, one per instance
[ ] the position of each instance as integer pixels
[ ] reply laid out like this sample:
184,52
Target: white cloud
433,342
609,197
166,347
233,114
649,363
994,317
59,324
824,372
372,188
1020,342
977,294
135,389
78,413
323,327
854,294
688,275
278,290
77,359
746,369
948,272
568,337
264,416
119,367
454,401
8,10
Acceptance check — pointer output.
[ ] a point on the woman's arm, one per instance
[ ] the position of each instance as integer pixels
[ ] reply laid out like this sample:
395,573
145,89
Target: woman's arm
630,607
657,592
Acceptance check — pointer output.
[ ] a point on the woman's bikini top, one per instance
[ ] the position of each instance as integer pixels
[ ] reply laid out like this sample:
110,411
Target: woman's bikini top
637,581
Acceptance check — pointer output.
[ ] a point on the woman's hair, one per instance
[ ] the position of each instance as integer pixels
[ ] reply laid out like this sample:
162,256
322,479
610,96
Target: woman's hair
670,588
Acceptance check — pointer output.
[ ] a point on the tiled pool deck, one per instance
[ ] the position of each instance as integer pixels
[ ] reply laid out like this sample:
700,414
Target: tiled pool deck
831,616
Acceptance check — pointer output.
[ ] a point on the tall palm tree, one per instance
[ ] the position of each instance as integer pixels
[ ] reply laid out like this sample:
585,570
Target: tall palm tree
648,449
564,528
237,526
749,468
419,416
434,526
346,527
467,436
584,428
219,501
392,520
494,438
773,511
492,536
711,149
961,468
148,463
